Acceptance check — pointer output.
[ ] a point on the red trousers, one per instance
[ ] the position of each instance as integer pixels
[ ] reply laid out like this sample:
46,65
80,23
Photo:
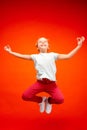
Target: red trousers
47,86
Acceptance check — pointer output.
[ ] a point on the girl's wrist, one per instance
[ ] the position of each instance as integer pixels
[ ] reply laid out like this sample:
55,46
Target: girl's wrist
10,51
79,45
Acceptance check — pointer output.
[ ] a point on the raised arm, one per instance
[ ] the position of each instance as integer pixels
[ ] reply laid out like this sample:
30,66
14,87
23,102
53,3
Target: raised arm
80,41
23,56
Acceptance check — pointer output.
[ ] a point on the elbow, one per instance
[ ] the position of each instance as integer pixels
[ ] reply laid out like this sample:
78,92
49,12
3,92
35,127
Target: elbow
68,56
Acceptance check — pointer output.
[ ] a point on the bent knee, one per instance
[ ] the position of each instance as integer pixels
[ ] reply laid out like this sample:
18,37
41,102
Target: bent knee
60,101
25,97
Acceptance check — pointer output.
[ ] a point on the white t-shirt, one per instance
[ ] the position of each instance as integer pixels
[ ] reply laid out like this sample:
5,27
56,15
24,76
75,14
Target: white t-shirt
45,65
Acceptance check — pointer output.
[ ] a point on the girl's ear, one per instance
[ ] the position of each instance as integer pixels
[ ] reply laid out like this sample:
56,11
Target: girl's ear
48,47
36,44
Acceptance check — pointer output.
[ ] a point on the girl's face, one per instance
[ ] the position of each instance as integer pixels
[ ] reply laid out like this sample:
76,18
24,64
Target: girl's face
42,44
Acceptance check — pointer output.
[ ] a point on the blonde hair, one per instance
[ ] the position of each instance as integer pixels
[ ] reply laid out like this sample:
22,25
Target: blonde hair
38,40
36,44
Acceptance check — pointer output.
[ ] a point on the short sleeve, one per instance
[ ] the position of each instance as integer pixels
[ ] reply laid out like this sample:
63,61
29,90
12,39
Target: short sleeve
33,57
55,55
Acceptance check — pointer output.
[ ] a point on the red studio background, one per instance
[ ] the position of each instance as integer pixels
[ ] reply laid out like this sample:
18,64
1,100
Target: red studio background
21,24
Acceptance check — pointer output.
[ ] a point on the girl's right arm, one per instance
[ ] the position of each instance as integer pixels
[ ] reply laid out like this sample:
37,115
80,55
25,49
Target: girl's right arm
23,56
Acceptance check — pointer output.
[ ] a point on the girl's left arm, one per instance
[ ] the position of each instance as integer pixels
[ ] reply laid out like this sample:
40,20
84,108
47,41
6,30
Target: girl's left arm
80,41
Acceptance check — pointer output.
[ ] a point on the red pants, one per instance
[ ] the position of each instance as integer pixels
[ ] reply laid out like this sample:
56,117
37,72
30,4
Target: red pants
44,86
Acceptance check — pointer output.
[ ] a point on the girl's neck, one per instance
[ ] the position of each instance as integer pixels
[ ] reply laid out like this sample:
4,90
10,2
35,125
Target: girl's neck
43,51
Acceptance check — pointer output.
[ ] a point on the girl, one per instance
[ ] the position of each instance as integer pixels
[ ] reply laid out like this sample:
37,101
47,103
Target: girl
45,66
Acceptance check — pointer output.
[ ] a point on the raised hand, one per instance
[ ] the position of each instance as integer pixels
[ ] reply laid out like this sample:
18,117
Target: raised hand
7,48
80,40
